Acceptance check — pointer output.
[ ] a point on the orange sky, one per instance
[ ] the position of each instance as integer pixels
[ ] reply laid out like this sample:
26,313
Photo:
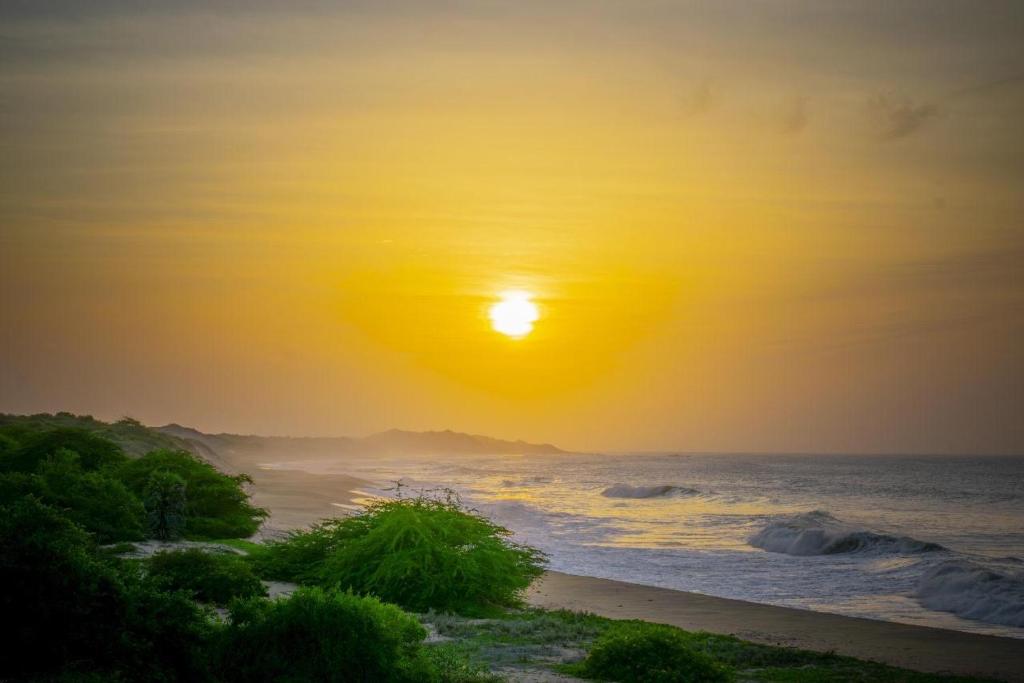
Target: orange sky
791,226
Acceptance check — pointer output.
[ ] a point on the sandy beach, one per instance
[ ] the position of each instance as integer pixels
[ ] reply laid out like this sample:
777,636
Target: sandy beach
297,499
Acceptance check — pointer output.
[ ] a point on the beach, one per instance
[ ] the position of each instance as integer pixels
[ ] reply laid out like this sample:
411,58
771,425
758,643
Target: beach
296,499
912,647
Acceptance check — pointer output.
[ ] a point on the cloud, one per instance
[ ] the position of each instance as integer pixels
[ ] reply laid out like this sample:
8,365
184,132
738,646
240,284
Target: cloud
894,118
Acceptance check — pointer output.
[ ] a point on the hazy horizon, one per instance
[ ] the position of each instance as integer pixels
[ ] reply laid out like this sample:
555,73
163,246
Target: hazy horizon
726,227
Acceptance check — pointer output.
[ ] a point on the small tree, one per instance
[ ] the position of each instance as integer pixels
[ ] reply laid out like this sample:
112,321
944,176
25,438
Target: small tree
164,499
218,505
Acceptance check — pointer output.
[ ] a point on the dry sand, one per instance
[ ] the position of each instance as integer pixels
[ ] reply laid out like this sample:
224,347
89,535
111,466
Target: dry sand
297,499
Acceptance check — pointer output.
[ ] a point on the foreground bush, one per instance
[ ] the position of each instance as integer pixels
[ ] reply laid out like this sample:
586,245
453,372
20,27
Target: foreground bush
216,505
208,576
649,653
75,613
324,636
419,553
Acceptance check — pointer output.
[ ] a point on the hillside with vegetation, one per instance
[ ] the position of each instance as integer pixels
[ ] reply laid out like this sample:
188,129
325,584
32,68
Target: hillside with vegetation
390,442
132,436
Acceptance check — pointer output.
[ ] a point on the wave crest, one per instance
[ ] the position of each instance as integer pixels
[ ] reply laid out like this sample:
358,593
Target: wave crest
627,491
973,591
819,533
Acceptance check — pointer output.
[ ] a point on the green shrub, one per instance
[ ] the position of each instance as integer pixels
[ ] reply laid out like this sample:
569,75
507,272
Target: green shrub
77,613
216,505
208,576
132,437
94,452
447,663
16,485
649,653
419,553
99,503
165,498
318,635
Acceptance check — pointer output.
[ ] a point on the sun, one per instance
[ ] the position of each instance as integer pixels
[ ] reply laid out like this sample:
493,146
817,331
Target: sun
514,315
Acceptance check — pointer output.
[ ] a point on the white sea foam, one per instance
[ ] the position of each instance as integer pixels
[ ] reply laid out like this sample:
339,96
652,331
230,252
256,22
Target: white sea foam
663,491
819,533
974,591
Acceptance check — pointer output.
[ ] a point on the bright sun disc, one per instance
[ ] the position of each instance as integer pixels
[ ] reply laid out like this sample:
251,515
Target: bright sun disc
514,315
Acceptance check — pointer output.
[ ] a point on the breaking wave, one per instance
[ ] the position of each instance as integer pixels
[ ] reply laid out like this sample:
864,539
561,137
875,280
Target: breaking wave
627,491
973,591
819,533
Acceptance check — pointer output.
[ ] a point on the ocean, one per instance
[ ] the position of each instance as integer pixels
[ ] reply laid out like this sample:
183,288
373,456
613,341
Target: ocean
928,540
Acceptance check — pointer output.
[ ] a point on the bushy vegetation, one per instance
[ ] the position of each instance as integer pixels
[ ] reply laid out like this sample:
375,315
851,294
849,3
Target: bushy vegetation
212,577
319,635
216,505
90,496
163,494
95,500
421,553
71,611
165,498
81,613
94,452
131,436
650,653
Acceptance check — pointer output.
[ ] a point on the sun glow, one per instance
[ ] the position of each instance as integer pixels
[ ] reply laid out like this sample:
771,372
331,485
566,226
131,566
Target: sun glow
514,315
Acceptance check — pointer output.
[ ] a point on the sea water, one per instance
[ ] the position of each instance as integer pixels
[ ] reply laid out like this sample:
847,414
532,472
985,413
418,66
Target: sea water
930,540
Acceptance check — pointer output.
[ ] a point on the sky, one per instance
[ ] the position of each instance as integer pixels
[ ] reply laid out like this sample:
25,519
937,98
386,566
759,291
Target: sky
790,226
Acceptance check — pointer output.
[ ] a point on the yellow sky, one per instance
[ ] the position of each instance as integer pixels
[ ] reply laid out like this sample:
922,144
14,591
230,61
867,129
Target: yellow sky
748,226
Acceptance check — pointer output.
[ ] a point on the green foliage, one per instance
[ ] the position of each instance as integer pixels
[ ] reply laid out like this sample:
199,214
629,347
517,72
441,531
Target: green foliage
78,614
94,452
419,553
164,498
96,501
209,577
132,436
447,663
650,653
216,505
16,485
318,635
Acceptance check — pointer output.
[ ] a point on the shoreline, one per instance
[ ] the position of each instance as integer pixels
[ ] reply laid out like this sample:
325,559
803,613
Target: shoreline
297,499
921,648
